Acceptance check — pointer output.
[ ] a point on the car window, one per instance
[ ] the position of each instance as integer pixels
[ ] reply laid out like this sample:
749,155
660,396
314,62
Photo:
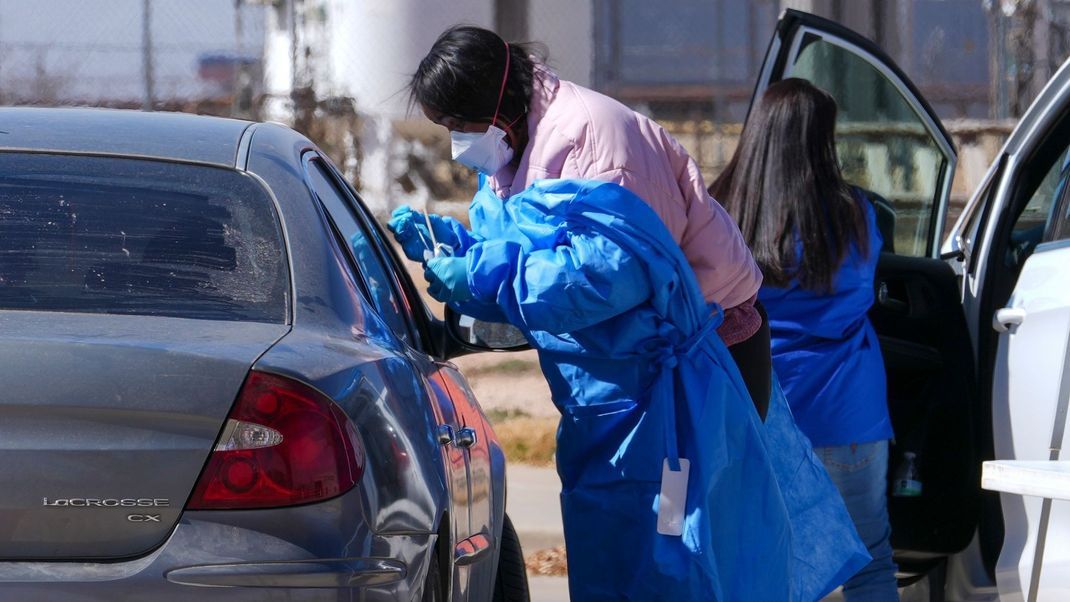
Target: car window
883,142
1059,219
1047,175
125,236
363,251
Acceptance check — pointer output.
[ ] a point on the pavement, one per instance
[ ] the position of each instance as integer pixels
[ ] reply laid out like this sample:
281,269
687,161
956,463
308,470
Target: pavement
534,506
548,589
535,509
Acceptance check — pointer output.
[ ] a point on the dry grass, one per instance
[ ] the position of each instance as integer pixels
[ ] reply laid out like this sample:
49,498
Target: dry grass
506,367
527,439
552,562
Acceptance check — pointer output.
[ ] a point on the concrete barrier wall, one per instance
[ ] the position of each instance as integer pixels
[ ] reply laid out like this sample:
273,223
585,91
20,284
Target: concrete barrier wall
420,166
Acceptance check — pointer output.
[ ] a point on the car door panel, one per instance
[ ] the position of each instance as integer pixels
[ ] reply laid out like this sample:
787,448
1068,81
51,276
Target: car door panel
929,363
378,282
1031,391
892,145
474,438
455,458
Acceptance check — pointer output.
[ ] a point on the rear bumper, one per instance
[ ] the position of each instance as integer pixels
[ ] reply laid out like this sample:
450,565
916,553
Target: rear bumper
309,553
331,573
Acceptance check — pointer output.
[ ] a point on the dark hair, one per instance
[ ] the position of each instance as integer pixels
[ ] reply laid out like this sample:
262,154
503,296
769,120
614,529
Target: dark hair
461,75
784,184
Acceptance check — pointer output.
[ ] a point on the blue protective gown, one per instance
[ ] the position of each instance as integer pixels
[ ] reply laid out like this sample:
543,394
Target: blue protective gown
591,275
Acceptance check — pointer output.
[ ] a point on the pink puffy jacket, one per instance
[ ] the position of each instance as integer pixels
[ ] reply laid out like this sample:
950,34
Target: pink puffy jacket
574,132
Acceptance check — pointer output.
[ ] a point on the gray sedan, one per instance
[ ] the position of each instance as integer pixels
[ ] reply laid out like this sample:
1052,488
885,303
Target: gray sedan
216,381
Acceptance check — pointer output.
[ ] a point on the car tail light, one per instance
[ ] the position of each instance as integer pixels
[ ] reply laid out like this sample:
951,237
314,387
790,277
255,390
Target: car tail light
284,444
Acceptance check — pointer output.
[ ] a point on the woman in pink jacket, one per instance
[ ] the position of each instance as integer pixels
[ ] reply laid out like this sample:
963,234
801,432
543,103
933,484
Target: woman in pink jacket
515,121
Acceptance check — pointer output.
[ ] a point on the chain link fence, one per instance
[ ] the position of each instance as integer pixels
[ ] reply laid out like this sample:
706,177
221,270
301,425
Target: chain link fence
195,55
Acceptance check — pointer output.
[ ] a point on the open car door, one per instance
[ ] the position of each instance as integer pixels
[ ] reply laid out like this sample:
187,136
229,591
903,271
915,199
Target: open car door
1032,393
1023,279
891,143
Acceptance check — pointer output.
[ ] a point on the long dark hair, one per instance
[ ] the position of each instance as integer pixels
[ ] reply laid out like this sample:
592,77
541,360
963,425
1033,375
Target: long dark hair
461,75
784,185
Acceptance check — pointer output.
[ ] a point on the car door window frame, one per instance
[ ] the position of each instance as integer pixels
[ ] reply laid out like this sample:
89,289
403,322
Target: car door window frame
840,36
412,338
974,220
418,315
1026,176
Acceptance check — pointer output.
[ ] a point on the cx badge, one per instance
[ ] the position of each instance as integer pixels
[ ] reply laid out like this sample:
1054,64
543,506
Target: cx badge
143,518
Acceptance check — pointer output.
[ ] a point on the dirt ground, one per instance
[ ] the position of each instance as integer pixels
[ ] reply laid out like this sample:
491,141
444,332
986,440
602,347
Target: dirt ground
508,383
510,389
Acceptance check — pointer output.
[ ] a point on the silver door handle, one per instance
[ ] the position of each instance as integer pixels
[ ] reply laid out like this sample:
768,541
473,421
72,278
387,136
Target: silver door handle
466,437
1007,317
445,434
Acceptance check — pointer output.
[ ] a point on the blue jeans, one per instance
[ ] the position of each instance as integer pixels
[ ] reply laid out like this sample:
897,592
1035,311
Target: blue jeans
859,472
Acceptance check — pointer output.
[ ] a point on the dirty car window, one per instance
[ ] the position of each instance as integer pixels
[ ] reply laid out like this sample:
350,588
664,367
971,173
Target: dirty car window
123,236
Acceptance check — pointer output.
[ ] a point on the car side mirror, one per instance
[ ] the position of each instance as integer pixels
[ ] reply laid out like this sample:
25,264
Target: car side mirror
478,335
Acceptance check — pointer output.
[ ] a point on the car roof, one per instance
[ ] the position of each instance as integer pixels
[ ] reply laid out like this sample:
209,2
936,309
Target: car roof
172,136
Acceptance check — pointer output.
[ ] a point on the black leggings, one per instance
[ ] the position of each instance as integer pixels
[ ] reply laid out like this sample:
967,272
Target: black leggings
755,362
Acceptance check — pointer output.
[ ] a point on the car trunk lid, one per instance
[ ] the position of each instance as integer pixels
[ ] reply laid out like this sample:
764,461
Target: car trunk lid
106,422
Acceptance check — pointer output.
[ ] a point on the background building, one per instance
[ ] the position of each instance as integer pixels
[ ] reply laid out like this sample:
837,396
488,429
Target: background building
337,69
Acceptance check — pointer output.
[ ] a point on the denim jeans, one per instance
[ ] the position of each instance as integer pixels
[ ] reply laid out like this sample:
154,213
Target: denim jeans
859,472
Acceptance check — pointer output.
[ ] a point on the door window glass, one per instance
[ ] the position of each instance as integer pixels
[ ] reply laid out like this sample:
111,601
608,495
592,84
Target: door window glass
883,142
363,251
1044,180
1034,217
1060,211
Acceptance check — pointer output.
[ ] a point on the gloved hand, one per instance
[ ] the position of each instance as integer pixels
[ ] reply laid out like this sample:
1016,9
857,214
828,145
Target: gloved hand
410,231
448,277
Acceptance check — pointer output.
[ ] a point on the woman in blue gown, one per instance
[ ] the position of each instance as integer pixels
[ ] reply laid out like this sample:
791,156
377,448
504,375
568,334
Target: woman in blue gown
672,486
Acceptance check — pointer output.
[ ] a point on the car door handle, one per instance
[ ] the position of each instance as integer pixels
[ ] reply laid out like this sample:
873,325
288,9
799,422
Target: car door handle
466,437
445,434
886,300
1007,317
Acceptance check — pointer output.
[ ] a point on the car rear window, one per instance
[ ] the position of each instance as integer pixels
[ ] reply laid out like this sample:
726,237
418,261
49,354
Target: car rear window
129,236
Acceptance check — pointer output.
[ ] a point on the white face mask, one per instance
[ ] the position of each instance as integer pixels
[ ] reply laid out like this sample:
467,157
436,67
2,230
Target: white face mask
485,152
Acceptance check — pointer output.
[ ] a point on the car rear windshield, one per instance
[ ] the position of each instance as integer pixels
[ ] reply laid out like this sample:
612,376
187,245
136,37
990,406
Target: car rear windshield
130,236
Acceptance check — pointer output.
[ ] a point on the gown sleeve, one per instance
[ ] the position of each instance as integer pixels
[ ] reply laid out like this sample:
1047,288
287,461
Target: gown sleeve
584,280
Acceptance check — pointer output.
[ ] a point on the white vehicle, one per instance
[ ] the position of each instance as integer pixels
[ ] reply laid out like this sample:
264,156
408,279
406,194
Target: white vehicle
974,324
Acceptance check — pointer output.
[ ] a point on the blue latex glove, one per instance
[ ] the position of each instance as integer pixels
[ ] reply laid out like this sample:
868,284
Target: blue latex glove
448,277
410,231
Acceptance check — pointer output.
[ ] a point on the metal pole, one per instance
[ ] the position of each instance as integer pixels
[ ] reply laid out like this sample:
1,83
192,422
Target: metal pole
241,78
293,44
997,61
146,55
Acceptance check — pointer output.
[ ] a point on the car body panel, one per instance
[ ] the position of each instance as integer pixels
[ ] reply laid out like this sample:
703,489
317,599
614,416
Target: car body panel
1030,404
89,422
210,140
375,541
485,460
1006,359
270,543
405,376
74,433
